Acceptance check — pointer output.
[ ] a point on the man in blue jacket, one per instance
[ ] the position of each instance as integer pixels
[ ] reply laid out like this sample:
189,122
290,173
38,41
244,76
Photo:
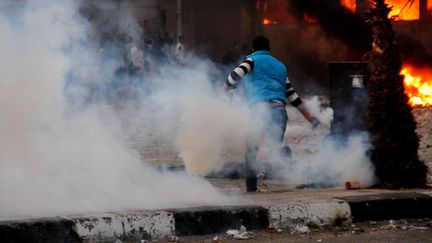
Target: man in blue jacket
266,86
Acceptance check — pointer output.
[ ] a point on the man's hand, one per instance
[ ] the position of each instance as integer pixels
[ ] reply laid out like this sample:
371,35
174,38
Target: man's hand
312,119
225,88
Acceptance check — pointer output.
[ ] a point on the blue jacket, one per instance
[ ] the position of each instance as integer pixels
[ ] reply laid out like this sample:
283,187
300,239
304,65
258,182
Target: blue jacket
267,79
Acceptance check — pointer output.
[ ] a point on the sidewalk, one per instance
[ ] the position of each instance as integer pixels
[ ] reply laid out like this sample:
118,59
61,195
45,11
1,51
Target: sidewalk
278,207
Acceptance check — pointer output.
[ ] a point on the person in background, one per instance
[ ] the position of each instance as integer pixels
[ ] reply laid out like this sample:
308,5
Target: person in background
179,52
267,91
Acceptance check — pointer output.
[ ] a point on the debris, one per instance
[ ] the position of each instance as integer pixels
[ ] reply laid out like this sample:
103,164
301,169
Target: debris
270,230
242,229
319,240
418,227
358,231
232,232
300,229
352,185
241,234
173,238
279,231
390,226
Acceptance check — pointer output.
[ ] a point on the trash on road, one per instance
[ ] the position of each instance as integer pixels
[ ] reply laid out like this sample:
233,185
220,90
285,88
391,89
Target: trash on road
241,234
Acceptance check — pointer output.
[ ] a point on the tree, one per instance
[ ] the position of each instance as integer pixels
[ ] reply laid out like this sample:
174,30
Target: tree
391,124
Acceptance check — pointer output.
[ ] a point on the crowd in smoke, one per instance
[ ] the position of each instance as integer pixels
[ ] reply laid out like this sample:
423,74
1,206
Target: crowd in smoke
77,112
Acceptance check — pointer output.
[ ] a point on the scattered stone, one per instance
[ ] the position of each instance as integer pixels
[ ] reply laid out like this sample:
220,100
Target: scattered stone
300,229
358,231
242,230
173,238
241,234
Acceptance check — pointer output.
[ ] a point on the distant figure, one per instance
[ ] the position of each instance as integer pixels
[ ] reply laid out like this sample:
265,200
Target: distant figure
136,58
267,90
179,52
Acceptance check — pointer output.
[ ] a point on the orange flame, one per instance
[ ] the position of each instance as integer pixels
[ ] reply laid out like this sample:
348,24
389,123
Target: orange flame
429,7
404,9
349,4
418,85
267,21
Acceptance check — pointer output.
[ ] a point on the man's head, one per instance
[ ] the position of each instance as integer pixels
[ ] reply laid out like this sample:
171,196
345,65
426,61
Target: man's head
261,43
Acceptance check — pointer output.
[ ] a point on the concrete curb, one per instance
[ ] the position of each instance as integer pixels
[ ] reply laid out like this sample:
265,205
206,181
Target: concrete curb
214,220
313,214
390,206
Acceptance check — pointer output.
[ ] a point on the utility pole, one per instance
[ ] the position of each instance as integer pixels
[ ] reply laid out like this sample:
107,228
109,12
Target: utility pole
179,18
423,11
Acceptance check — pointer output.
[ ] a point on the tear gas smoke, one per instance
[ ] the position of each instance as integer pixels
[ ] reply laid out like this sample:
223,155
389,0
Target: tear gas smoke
59,154
75,122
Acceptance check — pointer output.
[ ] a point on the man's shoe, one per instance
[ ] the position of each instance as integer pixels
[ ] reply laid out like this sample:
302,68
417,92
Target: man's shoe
251,184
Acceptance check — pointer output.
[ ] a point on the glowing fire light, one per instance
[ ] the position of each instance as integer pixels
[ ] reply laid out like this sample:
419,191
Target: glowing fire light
429,7
418,85
267,21
404,9
349,4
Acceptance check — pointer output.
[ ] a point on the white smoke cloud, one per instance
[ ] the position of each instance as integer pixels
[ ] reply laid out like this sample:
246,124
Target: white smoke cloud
70,145
57,159
320,159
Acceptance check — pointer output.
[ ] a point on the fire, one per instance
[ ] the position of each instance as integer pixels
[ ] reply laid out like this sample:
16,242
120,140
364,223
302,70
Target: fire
418,85
349,4
267,21
429,7
404,9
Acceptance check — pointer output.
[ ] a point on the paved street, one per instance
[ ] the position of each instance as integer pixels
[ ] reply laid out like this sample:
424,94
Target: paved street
416,230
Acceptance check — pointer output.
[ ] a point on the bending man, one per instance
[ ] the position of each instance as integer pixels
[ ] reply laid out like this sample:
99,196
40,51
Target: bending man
267,88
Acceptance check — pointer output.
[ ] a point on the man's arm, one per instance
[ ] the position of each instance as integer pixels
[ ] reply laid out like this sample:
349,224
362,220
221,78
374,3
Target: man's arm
238,74
296,101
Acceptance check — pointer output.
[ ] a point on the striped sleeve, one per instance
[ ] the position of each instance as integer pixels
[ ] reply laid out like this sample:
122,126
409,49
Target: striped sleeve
239,72
291,94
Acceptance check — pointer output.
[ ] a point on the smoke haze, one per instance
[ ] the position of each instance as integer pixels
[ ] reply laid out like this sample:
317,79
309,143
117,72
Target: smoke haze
73,134
59,156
